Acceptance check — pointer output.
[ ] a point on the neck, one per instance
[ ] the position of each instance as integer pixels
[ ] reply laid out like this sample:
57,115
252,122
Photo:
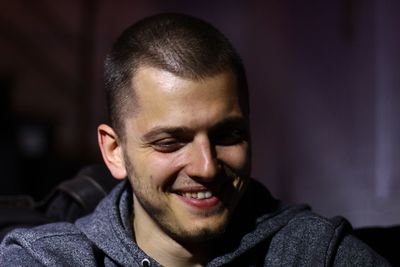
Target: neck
161,247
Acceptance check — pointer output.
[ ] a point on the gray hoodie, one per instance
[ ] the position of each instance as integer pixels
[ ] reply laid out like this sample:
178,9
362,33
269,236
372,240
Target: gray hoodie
263,232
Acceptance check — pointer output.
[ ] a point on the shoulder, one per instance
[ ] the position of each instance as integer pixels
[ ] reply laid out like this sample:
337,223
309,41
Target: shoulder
48,234
306,223
313,240
50,245
72,244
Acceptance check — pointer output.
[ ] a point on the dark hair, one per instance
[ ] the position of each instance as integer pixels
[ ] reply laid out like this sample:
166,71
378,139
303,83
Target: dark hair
183,45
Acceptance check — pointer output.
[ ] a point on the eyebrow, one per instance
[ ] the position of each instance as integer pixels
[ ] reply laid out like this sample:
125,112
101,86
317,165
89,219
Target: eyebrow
230,122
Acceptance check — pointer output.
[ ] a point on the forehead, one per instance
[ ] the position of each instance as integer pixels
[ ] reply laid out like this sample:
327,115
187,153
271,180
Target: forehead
157,86
164,99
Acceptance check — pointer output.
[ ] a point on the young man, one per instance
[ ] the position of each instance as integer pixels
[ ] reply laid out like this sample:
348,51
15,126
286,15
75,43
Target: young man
178,103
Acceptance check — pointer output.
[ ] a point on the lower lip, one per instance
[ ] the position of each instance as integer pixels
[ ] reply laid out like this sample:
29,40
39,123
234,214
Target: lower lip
200,203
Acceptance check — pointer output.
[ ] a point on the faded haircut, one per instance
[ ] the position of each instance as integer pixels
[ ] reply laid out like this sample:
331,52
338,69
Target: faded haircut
183,45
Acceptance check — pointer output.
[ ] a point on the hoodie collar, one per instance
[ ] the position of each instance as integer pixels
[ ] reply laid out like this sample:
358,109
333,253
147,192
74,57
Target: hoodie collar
258,217
109,227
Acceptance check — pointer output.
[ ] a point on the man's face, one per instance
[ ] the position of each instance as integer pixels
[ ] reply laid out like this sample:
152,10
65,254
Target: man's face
186,152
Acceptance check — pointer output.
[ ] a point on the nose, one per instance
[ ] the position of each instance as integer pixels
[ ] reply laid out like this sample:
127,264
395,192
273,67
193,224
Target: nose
203,163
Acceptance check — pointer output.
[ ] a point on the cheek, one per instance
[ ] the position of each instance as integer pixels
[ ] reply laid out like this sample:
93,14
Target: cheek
161,168
237,157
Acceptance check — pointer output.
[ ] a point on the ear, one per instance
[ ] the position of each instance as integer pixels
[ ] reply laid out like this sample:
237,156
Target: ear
111,151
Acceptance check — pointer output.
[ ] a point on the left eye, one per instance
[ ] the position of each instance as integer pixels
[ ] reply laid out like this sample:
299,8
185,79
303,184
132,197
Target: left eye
229,138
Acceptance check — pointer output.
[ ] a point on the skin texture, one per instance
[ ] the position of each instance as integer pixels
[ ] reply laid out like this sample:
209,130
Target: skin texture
187,136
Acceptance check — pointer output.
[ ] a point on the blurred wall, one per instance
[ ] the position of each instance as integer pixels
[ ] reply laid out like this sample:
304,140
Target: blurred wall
324,90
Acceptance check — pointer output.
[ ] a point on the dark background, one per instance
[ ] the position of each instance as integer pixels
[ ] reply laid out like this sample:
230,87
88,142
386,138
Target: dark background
324,80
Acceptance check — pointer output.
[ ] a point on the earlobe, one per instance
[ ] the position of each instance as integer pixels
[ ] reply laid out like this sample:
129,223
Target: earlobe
111,151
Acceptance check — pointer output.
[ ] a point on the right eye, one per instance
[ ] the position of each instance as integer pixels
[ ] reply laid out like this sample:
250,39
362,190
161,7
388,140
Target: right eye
167,145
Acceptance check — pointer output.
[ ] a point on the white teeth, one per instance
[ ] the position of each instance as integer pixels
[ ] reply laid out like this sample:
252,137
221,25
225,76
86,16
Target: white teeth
198,195
201,195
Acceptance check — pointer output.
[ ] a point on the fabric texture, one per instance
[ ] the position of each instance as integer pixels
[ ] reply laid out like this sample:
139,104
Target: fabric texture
263,232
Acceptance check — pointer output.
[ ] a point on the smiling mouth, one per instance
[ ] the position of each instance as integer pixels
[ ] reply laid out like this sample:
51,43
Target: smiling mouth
198,195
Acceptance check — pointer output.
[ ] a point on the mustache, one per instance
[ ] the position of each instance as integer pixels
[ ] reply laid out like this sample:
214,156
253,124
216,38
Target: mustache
224,175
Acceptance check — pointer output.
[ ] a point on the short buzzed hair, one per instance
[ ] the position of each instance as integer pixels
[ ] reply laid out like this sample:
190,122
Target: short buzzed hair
183,45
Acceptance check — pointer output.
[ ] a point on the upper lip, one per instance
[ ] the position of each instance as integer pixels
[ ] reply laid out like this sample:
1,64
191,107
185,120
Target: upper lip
214,187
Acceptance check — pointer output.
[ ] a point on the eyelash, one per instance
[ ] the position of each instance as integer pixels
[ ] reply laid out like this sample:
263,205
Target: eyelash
170,145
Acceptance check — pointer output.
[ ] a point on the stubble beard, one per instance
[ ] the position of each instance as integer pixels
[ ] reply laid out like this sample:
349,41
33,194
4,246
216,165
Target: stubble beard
177,232
157,214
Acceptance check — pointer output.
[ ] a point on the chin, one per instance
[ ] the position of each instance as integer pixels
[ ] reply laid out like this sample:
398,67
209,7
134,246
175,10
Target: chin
199,232
200,235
